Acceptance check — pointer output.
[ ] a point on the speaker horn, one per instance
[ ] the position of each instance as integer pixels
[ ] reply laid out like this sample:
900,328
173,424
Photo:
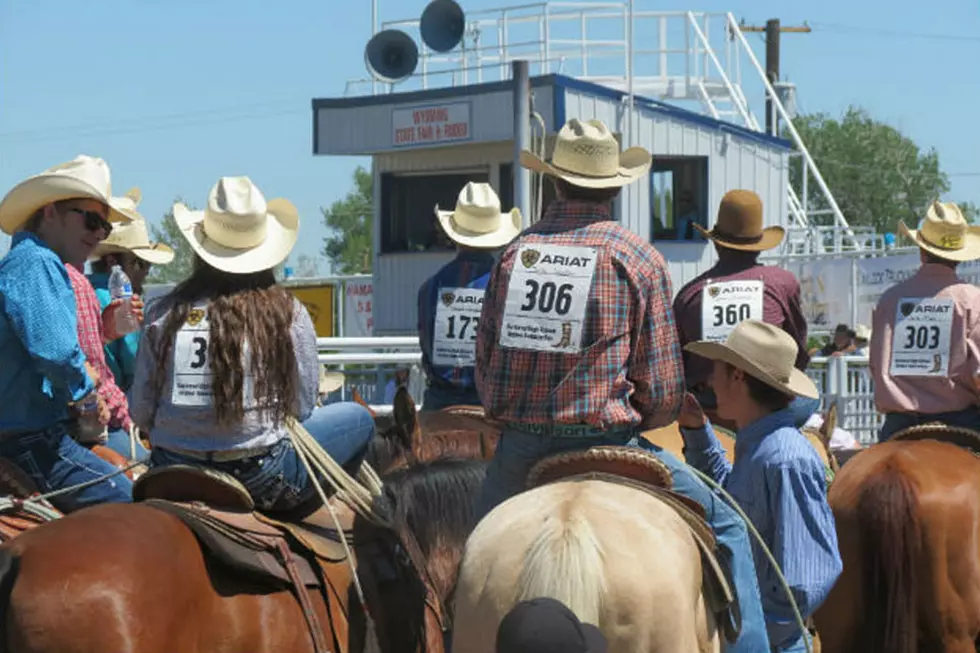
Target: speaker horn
391,56
442,25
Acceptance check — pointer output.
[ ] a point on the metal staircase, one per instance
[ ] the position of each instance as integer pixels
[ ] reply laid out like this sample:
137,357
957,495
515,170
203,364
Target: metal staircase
688,58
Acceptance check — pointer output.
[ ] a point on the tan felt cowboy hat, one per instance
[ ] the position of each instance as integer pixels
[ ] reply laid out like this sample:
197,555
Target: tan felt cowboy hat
330,381
762,351
132,237
84,177
587,155
239,232
477,220
945,233
739,224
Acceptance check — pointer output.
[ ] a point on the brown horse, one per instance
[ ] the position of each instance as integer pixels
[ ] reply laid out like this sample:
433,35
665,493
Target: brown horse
907,513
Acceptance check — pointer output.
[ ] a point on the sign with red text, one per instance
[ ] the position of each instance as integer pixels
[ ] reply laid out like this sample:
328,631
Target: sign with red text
358,313
431,124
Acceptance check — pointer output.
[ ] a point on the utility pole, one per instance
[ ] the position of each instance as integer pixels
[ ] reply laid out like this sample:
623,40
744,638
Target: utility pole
772,31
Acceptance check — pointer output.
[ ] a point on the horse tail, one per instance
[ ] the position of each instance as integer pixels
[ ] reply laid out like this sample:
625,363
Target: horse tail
9,565
890,533
565,563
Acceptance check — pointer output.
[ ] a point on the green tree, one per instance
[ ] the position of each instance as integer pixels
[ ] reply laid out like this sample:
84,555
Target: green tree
169,234
970,211
351,222
877,174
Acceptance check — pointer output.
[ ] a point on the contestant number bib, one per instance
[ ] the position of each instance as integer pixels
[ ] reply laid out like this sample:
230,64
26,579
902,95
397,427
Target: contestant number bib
921,342
548,297
192,367
725,304
457,319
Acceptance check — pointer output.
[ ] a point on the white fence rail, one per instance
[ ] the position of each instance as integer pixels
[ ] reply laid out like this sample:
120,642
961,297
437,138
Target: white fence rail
844,380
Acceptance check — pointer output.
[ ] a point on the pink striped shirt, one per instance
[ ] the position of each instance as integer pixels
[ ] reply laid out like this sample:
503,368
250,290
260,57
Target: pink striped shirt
921,394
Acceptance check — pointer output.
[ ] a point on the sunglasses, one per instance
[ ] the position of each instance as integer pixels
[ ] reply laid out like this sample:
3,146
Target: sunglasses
94,221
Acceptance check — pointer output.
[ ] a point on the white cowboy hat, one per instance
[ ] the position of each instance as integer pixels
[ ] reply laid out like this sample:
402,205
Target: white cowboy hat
330,381
862,332
762,351
239,232
587,155
132,237
945,233
477,220
84,177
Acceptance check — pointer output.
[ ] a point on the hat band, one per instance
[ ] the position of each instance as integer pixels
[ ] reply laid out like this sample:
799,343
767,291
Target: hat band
585,174
948,242
738,240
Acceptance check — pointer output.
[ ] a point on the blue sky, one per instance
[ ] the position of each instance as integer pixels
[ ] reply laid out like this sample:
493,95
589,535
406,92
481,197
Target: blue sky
176,93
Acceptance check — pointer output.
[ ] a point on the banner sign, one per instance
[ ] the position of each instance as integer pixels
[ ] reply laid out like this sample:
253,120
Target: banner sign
429,125
358,312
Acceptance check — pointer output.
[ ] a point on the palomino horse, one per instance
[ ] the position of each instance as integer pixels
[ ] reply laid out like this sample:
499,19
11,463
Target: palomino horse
907,513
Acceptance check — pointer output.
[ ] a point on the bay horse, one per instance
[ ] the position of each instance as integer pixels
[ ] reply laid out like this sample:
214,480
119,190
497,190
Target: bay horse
907,514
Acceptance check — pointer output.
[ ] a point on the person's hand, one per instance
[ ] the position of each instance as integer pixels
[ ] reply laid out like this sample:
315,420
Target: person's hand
96,378
137,303
692,415
103,411
109,331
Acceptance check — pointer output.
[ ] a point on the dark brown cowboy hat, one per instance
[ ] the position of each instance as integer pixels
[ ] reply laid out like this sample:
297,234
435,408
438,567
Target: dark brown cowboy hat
739,224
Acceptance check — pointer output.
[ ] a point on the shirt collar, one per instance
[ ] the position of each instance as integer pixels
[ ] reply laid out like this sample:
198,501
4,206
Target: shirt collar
22,236
937,270
99,279
577,210
754,432
477,255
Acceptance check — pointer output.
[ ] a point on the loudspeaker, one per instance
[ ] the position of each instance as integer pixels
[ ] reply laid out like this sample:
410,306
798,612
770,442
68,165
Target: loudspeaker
391,56
442,25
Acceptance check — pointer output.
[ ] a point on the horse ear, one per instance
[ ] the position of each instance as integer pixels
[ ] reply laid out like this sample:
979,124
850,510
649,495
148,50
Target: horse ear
404,411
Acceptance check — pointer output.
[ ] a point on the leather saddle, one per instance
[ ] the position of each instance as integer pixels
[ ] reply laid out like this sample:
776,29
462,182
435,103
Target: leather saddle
642,470
956,435
299,556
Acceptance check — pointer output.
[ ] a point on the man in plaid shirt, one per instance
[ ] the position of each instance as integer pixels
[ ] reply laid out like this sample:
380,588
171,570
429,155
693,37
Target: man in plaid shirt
577,345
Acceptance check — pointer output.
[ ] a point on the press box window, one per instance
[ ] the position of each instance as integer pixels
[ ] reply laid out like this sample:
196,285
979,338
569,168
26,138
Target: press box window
679,197
408,221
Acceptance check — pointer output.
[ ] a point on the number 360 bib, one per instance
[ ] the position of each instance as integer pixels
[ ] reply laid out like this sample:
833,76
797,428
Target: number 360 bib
548,297
725,304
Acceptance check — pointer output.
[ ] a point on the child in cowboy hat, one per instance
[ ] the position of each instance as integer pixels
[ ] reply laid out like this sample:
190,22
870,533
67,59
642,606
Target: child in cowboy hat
738,287
450,301
47,389
230,355
777,477
925,354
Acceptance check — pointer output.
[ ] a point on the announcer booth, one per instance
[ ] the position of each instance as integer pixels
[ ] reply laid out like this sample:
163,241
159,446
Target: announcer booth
426,145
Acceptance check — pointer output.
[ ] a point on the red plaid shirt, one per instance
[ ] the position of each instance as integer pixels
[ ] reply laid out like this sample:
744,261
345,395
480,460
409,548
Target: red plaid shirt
628,372
90,338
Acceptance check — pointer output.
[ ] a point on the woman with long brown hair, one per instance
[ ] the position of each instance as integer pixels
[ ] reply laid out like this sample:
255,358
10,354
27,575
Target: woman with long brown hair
230,354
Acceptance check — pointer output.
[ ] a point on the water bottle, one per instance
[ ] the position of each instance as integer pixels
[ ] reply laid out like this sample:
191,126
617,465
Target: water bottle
120,287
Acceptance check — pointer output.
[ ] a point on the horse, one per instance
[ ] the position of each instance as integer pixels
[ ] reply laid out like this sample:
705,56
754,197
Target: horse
907,514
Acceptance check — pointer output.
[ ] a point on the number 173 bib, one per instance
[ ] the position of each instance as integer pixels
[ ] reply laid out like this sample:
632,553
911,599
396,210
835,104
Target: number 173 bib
547,298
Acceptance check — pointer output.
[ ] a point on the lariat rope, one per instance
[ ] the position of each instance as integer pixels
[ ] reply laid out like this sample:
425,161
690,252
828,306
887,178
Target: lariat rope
33,506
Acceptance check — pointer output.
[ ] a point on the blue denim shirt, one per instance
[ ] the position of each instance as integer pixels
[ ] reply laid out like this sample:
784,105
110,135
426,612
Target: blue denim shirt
470,269
43,365
120,354
779,481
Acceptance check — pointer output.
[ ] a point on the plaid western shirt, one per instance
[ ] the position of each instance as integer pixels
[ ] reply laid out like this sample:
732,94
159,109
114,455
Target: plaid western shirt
781,306
470,269
629,370
90,338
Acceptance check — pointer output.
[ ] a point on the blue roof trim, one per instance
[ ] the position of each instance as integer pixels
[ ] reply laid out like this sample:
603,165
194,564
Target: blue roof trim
662,108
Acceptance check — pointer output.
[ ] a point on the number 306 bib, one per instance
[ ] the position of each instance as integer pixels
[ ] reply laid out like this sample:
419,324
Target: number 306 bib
548,297
457,319
192,369
920,345
725,304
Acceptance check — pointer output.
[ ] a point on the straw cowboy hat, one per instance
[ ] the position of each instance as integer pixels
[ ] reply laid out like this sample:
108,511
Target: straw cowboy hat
330,381
587,155
862,332
477,220
739,224
239,231
132,237
84,177
762,351
945,233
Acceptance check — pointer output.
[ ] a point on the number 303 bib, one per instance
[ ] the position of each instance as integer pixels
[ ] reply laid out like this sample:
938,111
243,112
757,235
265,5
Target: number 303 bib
922,337
548,297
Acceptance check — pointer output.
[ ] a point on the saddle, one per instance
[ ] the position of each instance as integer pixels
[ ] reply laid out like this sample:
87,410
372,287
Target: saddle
956,435
642,470
303,556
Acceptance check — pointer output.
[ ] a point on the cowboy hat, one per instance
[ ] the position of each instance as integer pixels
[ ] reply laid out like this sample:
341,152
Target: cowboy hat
587,155
132,237
739,224
239,232
862,332
477,220
945,233
762,351
84,177
330,381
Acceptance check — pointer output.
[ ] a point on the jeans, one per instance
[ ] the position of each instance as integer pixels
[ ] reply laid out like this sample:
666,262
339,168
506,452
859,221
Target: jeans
895,422
796,645
517,452
277,479
734,548
119,442
438,397
54,461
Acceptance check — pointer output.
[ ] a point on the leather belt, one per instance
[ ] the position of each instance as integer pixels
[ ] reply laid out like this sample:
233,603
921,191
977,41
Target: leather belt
219,456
